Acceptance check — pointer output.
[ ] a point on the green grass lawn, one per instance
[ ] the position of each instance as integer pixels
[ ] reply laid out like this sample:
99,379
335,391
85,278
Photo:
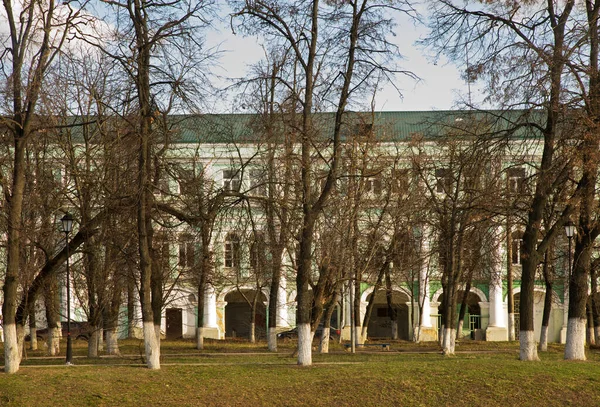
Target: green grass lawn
242,374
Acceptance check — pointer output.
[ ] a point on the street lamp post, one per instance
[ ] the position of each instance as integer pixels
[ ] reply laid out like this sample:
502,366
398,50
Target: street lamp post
570,232
67,226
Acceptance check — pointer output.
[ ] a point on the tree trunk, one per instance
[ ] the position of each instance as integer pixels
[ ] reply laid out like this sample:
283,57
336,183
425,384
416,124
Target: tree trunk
52,303
547,303
33,345
591,336
202,287
463,309
392,311
274,296
130,308
93,342
509,281
112,343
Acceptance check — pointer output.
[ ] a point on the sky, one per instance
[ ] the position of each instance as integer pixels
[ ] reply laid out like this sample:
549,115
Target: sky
439,87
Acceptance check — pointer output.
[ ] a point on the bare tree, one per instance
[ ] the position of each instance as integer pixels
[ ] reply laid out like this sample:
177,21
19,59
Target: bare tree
328,42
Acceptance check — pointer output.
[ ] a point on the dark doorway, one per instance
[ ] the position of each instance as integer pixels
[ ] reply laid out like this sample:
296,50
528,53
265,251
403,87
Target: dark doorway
174,323
238,314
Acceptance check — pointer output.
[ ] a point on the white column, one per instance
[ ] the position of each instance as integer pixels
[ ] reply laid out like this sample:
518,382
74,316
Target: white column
496,308
497,330
210,307
282,306
424,289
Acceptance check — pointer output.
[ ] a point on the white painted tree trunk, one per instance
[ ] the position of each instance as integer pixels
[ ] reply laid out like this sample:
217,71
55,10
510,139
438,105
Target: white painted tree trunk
544,339
395,330
93,344
449,341
575,346
460,329
304,345
597,334
527,349
272,341
511,327
591,335
443,331
200,338
100,341
53,341
33,344
152,346
112,344
12,360
324,344
252,332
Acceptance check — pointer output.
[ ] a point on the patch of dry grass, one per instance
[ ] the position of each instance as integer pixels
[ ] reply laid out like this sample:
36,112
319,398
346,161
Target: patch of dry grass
243,374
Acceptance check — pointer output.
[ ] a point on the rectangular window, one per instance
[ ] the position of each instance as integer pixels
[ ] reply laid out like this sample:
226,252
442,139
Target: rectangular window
187,253
516,248
516,180
258,182
373,186
443,178
400,181
232,251
232,180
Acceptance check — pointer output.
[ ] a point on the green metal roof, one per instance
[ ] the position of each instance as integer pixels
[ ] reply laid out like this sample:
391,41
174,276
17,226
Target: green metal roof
387,126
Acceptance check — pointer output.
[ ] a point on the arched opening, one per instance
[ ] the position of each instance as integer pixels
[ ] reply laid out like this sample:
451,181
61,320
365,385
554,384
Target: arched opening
383,317
471,326
238,314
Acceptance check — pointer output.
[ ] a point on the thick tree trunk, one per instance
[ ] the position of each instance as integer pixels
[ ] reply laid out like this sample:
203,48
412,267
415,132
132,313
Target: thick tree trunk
578,292
93,343
12,358
527,350
200,338
53,340
544,339
52,303
305,337
449,341
324,344
112,343
575,346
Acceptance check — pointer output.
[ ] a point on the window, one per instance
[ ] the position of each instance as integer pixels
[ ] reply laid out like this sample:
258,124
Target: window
187,252
258,256
516,247
232,180
162,252
373,186
258,181
516,180
232,251
443,178
400,182
189,181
